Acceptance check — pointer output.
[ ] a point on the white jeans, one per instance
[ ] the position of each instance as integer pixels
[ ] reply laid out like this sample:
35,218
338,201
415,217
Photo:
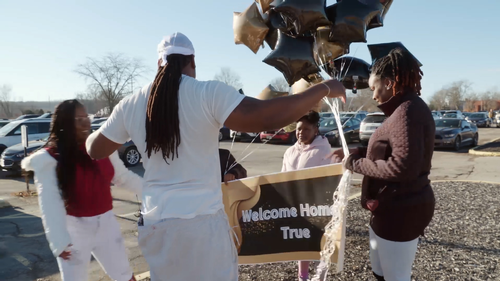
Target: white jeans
392,260
100,236
200,249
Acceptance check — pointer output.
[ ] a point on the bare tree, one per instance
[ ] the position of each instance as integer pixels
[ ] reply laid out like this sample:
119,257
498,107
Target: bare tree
6,101
439,100
456,93
111,77
489,100
470,102
280,84
363,100
229,77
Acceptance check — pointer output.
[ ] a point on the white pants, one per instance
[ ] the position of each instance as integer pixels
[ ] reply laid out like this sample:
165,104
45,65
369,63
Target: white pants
392,260
101,237
198,249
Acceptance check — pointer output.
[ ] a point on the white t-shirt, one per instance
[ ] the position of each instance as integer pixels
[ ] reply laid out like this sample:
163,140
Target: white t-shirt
189,185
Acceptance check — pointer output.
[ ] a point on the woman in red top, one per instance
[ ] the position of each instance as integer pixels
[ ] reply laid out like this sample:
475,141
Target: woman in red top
75,198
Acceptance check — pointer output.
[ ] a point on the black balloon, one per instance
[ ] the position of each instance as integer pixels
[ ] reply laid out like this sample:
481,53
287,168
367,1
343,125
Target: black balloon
353,72
378,51
378,21
293,57
304,15
272,38
352,18
326,51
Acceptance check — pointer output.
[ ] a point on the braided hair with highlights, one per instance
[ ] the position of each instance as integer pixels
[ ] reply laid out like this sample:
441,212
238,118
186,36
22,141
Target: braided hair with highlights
162,115
402,68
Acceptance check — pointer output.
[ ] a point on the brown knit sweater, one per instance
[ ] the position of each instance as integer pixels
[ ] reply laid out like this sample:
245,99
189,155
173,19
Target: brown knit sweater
396,168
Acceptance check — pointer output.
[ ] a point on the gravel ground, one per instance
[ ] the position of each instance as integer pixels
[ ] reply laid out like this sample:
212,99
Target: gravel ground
462,242
491,147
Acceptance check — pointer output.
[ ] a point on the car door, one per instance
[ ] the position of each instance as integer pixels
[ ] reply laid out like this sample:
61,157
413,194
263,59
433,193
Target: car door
355,124
466,132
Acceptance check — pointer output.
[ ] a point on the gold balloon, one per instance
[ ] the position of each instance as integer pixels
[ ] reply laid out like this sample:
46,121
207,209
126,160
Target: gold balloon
324,50
303,84
249,28
270,93
265,5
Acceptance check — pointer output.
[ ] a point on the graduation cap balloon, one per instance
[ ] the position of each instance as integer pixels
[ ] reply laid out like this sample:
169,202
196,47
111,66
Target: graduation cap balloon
249,28
353,72
305,15
378,51
293,57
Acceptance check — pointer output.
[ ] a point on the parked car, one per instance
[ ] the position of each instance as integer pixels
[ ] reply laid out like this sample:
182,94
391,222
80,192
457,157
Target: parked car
360,115
45,115
369,125
325,115
128,152
455,133
11,158
4,122
10,134
224,133
27,116
436,115
282,136
480,119
329,129
453,114
239,136
496,119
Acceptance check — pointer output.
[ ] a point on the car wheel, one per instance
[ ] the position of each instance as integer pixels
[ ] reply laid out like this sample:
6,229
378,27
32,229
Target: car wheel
221,136
131,157
475,140
458,143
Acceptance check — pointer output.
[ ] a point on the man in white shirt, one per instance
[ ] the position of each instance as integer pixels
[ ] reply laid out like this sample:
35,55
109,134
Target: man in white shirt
175,121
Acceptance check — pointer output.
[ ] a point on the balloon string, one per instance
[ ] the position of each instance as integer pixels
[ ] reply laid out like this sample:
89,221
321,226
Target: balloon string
238,162
229,155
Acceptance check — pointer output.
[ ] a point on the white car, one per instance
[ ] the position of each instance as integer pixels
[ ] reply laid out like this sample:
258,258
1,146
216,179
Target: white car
369,125
10,134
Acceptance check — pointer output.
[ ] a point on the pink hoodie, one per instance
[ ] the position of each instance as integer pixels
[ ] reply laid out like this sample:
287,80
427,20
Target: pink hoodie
301,156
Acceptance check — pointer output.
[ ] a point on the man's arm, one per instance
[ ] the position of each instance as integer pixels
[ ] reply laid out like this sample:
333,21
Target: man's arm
99,147
253,115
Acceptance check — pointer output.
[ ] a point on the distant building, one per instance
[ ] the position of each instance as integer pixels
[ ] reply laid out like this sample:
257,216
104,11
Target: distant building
486,105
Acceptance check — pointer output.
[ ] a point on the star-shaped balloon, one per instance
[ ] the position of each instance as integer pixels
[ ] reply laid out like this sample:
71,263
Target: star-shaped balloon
304,83
353,72
326,51
305,15
249,28
270,93
293,57
265,5
378,51
352,18
378,21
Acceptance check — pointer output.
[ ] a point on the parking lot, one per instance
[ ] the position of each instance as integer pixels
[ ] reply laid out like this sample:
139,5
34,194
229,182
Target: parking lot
24,252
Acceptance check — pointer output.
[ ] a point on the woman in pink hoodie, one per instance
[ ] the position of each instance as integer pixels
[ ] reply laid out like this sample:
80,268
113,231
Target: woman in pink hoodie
310,150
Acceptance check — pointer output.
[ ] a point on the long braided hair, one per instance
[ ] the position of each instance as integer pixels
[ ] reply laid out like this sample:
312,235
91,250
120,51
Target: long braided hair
62,142
162,115
401,67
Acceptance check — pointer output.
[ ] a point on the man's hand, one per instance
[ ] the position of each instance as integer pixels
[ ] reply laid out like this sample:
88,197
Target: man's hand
229,177
337,89
66,255
338,155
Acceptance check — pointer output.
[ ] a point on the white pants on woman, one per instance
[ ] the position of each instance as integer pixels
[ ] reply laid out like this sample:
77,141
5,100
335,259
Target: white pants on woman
392,260
100,236
197,249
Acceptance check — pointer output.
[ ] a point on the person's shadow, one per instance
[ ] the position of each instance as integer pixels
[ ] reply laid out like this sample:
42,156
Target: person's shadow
24,250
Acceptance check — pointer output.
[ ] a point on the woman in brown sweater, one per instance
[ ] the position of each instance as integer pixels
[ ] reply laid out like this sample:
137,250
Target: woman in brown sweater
396,166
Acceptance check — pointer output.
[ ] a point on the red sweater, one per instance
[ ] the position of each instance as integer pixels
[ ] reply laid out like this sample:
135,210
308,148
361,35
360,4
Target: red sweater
91,195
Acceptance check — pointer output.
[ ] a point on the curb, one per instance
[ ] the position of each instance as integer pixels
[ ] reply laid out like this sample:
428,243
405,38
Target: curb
4,203
473,151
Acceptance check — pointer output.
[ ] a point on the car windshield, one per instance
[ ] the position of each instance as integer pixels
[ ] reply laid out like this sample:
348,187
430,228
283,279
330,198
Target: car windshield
347,115
477,115
331,123
450,115
7,128
98,121
447,123
374,119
